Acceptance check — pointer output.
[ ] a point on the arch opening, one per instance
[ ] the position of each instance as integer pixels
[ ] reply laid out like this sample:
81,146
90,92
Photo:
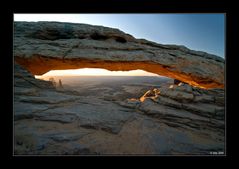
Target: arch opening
94,72
68,76
39,65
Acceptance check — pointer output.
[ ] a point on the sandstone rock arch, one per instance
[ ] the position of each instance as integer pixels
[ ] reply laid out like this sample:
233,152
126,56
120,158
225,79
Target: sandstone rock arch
43,46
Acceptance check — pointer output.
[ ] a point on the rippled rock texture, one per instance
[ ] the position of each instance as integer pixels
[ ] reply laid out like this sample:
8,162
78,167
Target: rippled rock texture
171,119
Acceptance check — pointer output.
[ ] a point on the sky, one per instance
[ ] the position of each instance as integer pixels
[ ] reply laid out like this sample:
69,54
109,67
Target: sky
202,32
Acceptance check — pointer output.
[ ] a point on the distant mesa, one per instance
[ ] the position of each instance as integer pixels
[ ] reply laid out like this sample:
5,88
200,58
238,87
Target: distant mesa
43,46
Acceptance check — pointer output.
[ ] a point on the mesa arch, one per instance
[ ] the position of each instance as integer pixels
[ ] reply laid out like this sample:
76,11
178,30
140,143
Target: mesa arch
43,46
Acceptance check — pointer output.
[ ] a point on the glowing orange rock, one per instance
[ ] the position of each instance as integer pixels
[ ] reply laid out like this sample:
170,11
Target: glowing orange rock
43,46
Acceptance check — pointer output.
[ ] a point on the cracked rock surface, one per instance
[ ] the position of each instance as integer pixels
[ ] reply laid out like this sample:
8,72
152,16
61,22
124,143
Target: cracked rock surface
120,117
133,115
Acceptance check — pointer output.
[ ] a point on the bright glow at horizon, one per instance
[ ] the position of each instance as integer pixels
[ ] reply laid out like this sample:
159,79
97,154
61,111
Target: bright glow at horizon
203,32
94,72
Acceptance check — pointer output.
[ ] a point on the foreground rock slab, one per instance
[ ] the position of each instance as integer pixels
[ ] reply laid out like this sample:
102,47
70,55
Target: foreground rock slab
163,121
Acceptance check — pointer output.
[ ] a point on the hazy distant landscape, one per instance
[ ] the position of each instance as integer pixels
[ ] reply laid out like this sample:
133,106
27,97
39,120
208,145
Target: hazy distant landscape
118,87
75,80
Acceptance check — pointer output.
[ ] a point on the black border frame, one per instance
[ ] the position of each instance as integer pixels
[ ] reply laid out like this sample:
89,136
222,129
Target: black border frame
133,6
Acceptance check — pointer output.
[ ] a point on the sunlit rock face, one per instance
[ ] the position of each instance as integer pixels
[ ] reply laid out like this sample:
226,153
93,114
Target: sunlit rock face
43,46
184,98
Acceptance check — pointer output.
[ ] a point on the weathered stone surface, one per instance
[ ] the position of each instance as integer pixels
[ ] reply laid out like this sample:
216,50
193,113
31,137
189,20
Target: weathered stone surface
177,95
31,139
171,141
132,103
52,115
23,78
182,105
184,87
202,108
205,98
63,136
157,110
27,110
112,118
48,97
48,121
43,46
167,101
107,117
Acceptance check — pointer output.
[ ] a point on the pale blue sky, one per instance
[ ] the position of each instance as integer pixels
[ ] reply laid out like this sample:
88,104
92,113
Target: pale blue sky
204,32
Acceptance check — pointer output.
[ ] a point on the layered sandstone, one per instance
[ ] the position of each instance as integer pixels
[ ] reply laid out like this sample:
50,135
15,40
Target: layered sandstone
118,117
43,46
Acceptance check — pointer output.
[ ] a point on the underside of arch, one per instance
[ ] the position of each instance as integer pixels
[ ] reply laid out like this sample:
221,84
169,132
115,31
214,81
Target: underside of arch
43,46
